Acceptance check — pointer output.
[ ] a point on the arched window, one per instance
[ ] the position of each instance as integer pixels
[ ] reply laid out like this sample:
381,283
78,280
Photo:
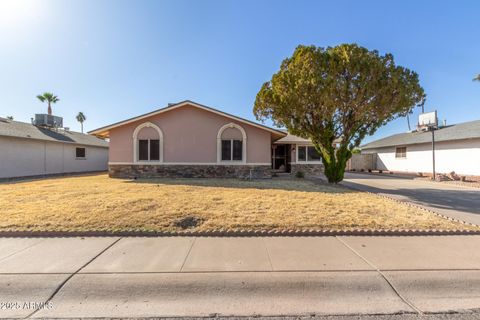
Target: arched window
147,143
231,144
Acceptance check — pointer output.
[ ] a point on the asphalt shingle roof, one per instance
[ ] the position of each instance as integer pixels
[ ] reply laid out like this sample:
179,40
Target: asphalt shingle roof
290,138
293,139
10,128
466,130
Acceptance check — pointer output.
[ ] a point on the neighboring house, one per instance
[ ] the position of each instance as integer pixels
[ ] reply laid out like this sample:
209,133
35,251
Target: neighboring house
188,139
457,148
29,150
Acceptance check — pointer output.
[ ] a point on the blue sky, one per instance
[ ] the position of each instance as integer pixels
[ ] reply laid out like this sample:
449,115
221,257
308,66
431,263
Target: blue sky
118,59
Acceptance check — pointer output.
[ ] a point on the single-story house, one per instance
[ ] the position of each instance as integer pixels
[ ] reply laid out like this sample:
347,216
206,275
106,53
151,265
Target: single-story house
188,139
457,148
30,150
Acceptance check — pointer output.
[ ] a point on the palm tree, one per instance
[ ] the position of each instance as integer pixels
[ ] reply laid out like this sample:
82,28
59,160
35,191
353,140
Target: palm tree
80,118
50,98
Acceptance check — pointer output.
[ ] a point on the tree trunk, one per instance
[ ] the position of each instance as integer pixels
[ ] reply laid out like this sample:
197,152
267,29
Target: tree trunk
335,161
49,109
81,124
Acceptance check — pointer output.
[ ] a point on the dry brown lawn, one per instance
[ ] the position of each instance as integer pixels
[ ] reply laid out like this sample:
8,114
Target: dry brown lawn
99,203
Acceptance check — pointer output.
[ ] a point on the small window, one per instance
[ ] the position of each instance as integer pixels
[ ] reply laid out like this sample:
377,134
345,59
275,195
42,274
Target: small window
313,154
226,150
302,153
401,152
308,154
154,150
237,150
80,153
232,150
143,150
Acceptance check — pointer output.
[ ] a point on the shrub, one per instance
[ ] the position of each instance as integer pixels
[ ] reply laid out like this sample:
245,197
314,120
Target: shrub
300,174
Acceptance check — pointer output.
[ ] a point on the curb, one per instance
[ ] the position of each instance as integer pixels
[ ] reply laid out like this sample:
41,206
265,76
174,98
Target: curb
385,174
237,233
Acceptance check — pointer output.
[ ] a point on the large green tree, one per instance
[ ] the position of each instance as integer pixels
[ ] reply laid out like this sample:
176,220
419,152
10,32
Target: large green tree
336,96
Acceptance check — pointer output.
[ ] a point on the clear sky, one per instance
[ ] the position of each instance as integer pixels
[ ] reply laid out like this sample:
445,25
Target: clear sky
118,59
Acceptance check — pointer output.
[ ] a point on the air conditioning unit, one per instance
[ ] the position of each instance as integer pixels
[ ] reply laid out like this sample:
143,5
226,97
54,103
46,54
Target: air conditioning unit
46,120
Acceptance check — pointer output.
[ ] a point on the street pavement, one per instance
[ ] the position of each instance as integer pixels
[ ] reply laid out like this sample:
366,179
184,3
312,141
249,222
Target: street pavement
458,202
422,277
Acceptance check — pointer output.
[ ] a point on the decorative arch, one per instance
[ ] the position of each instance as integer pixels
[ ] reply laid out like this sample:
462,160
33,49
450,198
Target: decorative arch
147,124
219,141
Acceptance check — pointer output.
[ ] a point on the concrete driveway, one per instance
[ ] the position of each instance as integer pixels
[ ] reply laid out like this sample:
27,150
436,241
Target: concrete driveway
458,202
270,276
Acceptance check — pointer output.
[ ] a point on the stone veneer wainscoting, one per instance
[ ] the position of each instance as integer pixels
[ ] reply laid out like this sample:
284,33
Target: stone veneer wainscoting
308,169
189,171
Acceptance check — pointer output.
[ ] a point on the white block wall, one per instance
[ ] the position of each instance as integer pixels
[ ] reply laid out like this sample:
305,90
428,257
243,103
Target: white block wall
23,157
461,156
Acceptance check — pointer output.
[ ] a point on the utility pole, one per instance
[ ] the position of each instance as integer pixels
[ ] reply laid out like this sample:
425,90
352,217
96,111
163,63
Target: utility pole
433,151
429,122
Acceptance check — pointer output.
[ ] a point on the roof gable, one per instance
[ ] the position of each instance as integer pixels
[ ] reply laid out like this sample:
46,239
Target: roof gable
104,131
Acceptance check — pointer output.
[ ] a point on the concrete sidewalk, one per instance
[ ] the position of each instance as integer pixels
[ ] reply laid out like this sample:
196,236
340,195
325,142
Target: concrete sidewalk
181,276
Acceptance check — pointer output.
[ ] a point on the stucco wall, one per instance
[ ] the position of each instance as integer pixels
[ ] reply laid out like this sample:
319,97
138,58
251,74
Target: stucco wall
461,156
23,157
189,136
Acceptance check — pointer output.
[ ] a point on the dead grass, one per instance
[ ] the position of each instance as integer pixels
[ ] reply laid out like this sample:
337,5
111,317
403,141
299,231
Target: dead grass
96,202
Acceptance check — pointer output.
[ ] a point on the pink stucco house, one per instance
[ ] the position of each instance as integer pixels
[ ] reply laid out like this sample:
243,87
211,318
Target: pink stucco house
188,139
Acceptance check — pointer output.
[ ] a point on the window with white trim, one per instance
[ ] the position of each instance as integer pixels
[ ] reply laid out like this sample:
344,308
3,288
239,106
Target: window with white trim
401,152
308,154
232,150
231,143
148,149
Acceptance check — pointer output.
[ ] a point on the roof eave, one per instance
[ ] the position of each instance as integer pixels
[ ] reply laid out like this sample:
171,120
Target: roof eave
104,131
57,141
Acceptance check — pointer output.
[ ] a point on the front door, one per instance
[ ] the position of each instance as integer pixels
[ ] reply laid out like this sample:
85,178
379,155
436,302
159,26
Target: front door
279,157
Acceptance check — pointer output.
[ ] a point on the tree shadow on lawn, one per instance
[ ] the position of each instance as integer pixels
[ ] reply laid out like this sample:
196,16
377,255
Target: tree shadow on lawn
303,185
